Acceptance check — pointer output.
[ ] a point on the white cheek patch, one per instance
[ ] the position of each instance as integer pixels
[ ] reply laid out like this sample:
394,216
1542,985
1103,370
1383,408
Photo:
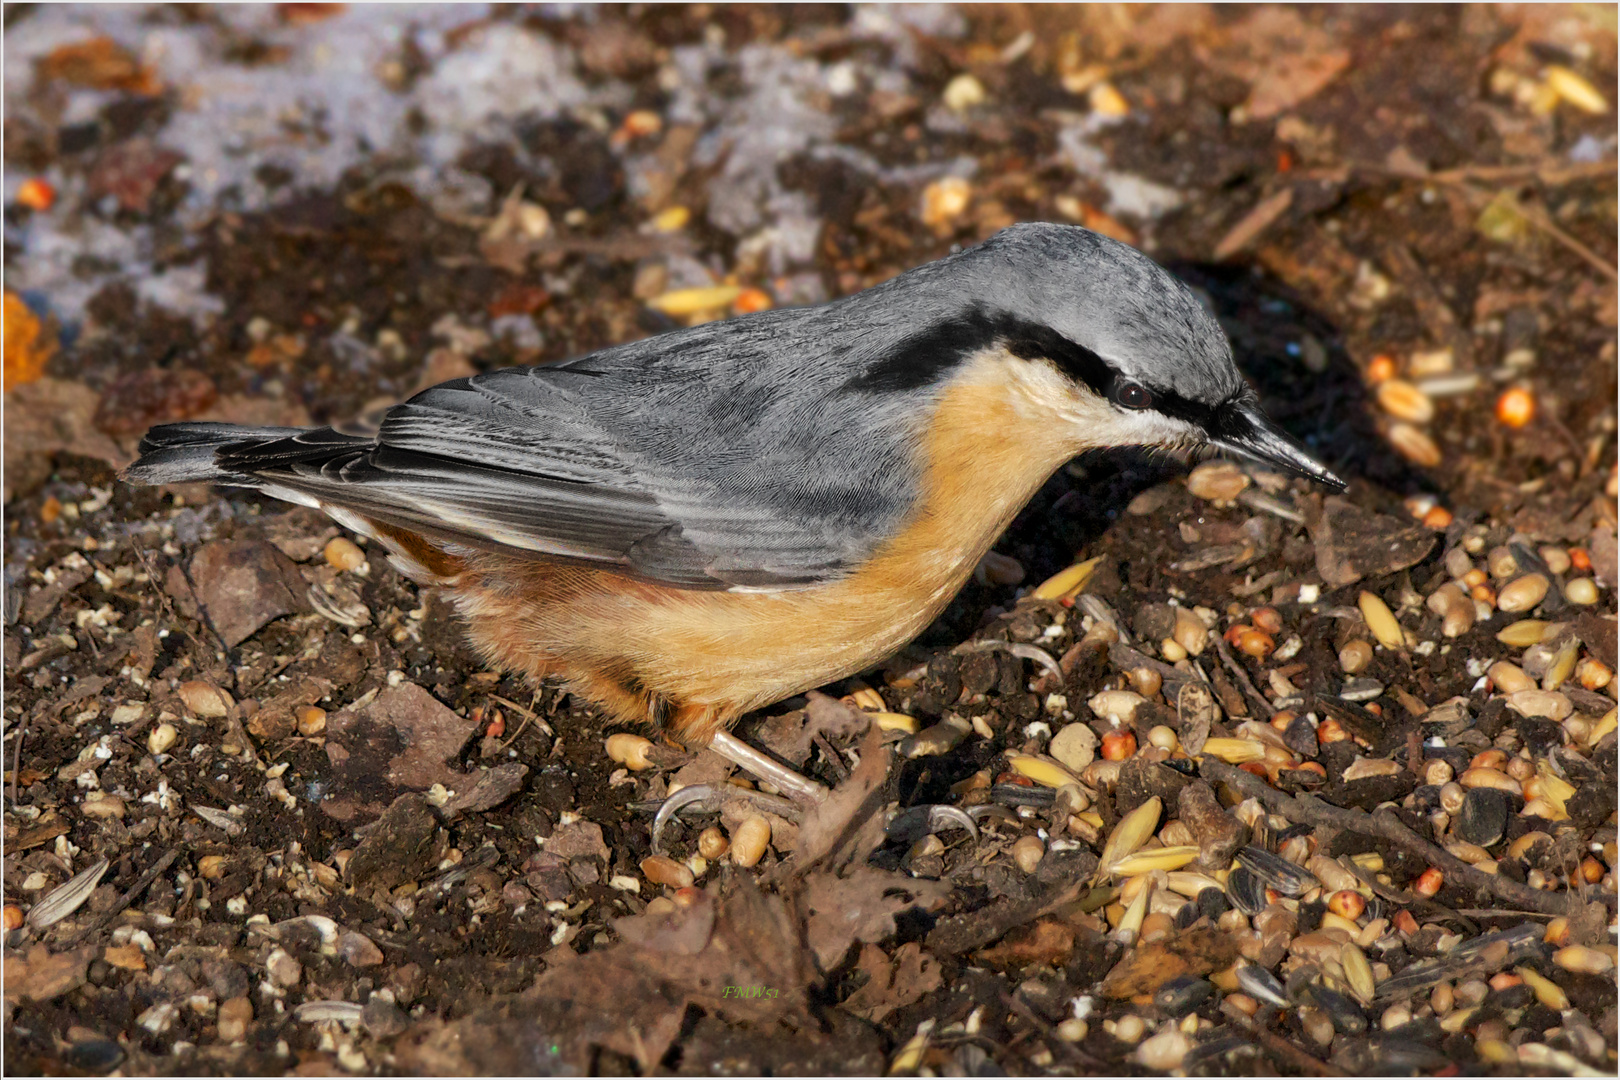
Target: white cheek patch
1148,427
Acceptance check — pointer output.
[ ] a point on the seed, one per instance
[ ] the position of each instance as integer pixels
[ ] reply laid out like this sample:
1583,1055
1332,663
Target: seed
1235,751
1347,903
1066,583
1117,705
712,843
11,918
1429,882
1129,1029
997,569
1217,481
1482,777
311,720
344,554
1437,772
1438,519
1164,1052
1404,401
103,806
1515,407
1163,737
1381,621
1395,1016
1190,632
1045,772
1591,870
161,738
629,750
1106,100
1405,923
1583,959
1593,674
1027,853
1242,1002
65,899
1381,368
1549,704
1133,831
748,841
1073,1030
1358,972
1581,590
1151,859
1172,651
662,870
204,699
1256,643
1414,445
1520,769
211,867
1355,656
945,200
1146,681
1547,992
1509,678
1118,746
1330,731
1523,593
1525,633
1441,999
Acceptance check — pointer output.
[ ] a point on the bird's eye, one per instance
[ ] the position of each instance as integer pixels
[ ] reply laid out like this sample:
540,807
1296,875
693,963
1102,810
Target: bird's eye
1132,396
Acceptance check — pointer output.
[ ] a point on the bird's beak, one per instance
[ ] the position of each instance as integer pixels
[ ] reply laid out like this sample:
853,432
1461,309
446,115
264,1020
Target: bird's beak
1247,431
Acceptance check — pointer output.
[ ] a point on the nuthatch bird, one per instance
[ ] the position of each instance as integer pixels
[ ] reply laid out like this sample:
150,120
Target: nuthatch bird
689,527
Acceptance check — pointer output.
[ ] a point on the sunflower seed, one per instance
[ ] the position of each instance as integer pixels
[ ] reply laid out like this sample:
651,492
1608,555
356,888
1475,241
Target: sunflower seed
1262,985
65,899
1246,891
1277,873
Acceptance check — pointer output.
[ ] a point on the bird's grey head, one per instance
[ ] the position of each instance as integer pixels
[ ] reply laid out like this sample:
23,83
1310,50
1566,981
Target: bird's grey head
1124,331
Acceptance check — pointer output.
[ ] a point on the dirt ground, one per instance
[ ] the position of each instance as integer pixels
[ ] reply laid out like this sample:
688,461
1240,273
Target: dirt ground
267,813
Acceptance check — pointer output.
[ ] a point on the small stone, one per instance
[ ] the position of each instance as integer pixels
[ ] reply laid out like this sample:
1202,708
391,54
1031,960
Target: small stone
283,969
234,1017
1075,746
358,950
382,1018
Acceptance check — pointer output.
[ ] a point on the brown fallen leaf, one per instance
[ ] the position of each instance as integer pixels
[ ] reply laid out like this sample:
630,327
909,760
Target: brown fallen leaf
860,904
42,975
1048,941
1144,969
892,985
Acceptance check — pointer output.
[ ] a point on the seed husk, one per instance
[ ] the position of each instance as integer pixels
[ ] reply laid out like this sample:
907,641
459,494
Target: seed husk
1262,985
65,899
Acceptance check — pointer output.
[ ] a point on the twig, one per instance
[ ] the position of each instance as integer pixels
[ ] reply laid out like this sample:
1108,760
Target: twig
527,715
1279,1045
1307,809
16,759
1536,216
141,884
1243,680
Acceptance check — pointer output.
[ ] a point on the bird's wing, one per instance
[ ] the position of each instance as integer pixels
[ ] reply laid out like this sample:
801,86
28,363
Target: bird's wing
551,461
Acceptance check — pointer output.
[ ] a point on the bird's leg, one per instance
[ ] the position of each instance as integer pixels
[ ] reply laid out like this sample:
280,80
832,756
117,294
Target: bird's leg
800,788
697,724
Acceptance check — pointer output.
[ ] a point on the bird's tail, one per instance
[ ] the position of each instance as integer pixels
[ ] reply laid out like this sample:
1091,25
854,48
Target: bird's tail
189,453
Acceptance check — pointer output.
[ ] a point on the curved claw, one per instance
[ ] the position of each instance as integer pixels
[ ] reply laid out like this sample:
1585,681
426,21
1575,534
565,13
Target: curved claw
932,819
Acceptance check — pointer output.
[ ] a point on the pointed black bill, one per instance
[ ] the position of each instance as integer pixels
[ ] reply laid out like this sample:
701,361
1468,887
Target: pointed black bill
1245,430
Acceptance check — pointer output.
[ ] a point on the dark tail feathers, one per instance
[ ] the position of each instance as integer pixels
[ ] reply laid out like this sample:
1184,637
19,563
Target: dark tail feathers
187,453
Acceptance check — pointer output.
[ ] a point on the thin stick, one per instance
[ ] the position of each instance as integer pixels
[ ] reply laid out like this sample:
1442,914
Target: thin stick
1536,216
135,890
527,714
1244,682
1307,809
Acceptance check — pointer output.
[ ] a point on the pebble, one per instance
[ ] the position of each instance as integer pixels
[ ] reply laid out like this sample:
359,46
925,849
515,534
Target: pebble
1075,745
283,969
1027,853
204,700
1217,481
1164,1051
234,1017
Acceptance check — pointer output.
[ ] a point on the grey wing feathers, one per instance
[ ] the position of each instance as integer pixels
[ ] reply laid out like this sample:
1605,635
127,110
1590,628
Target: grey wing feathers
550,461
